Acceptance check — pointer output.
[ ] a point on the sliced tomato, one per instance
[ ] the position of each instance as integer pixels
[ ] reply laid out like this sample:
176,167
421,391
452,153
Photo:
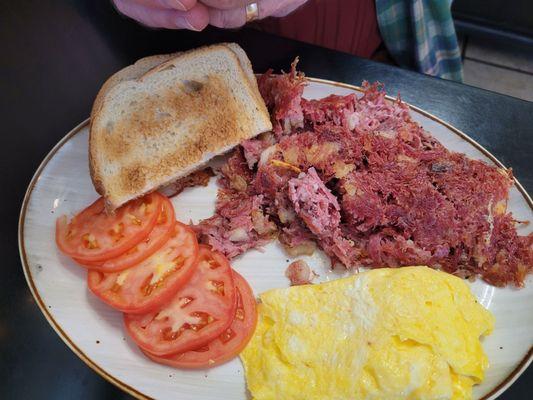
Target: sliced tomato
199,312
152,282
227,345
157,238
94,235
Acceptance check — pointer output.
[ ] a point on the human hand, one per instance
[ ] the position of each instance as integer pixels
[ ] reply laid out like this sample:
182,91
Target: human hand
171,14
232,13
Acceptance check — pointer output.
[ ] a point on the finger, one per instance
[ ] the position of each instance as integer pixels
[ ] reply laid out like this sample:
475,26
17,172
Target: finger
195,19
182,5
227,4
236,17
283,12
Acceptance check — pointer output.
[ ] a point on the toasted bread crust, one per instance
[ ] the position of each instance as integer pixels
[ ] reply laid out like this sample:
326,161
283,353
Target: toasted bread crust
134,71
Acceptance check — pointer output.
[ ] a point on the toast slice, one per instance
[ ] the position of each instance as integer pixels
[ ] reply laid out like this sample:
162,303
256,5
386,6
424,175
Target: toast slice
134,71
246,65
149,131
143,65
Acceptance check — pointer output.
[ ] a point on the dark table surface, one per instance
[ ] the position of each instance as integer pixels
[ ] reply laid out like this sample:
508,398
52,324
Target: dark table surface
54,57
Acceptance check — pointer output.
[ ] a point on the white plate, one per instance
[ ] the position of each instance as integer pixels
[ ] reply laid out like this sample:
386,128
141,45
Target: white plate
94,332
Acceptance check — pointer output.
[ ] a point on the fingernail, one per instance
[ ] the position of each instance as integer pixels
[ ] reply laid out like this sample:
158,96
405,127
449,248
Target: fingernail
176,4
182,22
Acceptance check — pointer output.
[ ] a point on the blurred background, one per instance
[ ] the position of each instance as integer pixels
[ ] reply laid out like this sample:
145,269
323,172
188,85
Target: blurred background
496,39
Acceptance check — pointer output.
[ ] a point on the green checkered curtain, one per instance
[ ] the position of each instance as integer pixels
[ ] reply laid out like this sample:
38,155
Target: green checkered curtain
420,35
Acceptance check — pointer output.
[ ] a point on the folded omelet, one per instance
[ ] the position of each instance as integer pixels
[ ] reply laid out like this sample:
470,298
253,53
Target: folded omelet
406,333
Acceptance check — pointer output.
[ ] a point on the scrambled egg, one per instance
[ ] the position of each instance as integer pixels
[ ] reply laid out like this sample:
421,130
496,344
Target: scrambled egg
406,333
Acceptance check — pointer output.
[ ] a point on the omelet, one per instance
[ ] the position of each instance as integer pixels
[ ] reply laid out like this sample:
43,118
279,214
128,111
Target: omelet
391,333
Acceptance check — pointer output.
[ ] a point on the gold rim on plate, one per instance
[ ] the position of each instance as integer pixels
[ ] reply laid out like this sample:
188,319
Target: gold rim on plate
498,389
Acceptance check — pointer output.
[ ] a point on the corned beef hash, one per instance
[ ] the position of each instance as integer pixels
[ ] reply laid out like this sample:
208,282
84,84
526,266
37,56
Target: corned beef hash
360,179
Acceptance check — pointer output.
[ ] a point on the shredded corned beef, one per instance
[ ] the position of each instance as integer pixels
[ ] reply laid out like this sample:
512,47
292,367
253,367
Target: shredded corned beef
362,180
235,174
238,224
313,203
297,239
283,95
319,210
299,273
197,178
252,148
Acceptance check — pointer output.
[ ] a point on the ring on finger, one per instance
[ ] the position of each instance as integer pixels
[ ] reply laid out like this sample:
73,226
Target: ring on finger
252,12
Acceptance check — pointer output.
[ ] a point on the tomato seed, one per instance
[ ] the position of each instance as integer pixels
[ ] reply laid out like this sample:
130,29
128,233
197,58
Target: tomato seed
239,314
183,301
89,241
226,336
218,287
213,264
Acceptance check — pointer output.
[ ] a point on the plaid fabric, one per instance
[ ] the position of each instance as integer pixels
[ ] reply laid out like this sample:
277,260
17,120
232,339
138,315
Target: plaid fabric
420,35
